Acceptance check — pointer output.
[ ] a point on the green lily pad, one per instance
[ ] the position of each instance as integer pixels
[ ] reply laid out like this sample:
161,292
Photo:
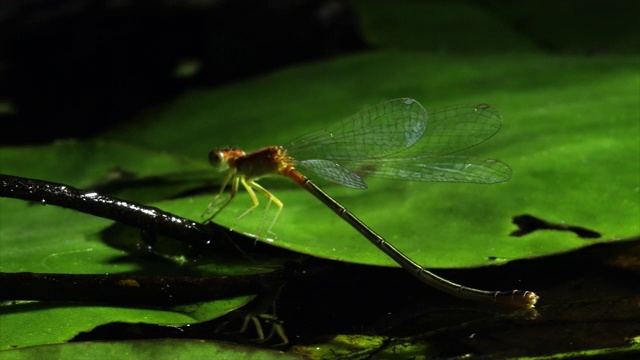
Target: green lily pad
36,323
567,153
146,349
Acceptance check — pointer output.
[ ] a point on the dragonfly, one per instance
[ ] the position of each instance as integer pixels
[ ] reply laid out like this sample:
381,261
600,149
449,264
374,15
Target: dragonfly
397,139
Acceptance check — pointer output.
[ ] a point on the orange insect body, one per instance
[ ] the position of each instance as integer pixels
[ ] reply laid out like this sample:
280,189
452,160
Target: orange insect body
244,169
270,160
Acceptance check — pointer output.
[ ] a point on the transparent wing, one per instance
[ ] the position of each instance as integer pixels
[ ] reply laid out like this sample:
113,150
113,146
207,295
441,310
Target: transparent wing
392,140
378,131
455,128
436,168
331,171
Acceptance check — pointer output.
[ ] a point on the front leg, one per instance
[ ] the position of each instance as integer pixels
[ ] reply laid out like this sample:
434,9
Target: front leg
231,176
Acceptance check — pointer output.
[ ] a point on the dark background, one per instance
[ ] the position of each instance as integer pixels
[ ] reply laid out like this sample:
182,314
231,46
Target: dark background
73,68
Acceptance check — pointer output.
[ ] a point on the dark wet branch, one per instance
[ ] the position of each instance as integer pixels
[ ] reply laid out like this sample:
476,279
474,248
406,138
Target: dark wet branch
147,218
123,288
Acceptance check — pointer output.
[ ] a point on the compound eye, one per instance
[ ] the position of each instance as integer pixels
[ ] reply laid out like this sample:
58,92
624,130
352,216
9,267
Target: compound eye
216,158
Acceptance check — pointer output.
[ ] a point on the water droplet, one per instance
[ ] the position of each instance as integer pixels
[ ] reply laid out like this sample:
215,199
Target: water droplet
409,101
480,107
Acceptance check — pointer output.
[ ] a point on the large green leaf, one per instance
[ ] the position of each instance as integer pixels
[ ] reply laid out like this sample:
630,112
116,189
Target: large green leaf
573,159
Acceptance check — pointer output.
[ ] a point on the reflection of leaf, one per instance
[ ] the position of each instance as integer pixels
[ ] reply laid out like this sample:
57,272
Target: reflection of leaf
146,349
485,333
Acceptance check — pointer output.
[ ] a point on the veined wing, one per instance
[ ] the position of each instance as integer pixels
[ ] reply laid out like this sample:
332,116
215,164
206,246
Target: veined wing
456,128
378,131
331,171
434,168
391,143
